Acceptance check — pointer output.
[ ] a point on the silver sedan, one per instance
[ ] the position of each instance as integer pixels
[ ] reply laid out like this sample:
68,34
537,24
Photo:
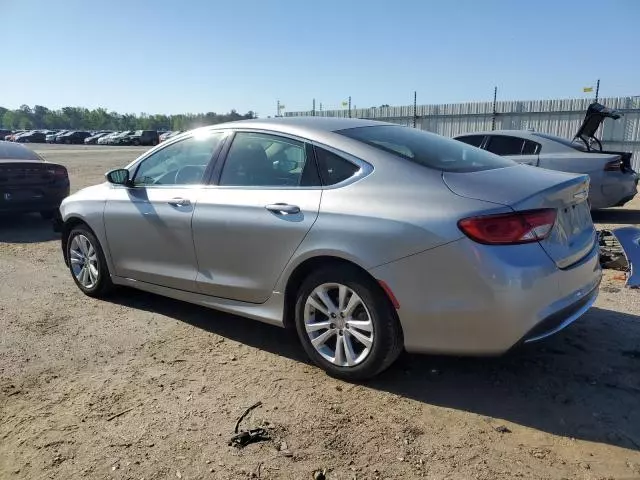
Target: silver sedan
368,238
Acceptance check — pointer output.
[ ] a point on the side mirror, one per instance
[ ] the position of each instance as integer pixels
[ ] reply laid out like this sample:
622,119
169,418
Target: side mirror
119,176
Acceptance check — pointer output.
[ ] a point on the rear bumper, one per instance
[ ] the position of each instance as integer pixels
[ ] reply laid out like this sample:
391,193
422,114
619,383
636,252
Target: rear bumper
50,200
615,190
465,298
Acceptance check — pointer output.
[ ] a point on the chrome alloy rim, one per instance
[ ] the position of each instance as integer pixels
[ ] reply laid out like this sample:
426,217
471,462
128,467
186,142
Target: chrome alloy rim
84,261
339,324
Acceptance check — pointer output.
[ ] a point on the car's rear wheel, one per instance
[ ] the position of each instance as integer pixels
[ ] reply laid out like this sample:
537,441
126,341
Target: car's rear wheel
346,323
87,263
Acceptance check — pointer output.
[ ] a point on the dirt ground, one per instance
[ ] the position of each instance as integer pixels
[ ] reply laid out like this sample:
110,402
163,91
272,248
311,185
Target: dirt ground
142,386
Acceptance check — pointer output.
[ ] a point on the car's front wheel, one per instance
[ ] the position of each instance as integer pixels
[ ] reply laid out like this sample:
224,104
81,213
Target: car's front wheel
87,263
347,324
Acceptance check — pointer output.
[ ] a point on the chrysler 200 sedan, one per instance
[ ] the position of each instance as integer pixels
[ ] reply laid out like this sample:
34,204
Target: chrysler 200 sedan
365,237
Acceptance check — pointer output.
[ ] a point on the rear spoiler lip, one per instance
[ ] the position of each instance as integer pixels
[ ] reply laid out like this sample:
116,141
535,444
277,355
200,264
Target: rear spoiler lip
629,239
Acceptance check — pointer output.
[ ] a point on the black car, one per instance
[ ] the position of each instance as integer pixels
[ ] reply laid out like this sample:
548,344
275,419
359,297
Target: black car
28,183
140,137
32,137
76,136
4,133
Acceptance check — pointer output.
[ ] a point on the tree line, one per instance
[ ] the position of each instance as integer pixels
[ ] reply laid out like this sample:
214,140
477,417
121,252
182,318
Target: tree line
39,117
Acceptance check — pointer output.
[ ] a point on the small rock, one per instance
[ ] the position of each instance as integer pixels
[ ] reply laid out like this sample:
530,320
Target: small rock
211,470
319,475
585,465
339,388
150,444
178,474
284,446
113,469
501,429
208,462
400,459
232,358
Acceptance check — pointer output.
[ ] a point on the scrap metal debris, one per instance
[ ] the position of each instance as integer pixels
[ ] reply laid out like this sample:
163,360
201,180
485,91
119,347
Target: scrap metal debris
245,437
611,253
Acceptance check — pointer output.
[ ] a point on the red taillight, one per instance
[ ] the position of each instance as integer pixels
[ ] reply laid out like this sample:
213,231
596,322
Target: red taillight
613,166
511,228
58,172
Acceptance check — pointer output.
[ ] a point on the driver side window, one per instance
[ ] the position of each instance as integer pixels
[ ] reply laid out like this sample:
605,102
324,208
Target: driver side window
181,163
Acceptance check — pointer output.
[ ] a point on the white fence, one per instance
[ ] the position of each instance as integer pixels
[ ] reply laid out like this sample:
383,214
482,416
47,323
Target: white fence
557,117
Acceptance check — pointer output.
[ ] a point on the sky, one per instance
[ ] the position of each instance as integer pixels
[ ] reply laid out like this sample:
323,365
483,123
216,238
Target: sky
158,56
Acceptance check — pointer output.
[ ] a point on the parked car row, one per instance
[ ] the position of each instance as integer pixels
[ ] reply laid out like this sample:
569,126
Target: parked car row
87,137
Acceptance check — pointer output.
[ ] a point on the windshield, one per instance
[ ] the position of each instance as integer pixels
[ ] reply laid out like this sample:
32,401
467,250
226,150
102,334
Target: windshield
17,152
563,141
427,149
139,133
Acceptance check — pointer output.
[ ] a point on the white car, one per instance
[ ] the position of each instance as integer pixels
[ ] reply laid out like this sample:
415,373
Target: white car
105,139
613,180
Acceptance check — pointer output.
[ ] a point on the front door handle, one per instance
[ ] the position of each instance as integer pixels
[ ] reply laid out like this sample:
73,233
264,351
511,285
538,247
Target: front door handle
179,202
283,208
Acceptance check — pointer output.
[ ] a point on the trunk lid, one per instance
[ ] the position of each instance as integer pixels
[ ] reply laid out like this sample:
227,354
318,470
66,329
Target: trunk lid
524,187
596,114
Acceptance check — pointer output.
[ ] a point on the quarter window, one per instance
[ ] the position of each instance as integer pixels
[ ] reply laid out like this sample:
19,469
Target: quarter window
263,160
530,148
181,163
504,145
333,168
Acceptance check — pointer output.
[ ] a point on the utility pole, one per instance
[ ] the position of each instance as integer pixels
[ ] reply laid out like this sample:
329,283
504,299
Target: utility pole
597,89
320,106
495,113
415,108
278,108
349,106
313,109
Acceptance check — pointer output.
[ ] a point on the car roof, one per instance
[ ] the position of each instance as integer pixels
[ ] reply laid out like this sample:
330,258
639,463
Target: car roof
317,124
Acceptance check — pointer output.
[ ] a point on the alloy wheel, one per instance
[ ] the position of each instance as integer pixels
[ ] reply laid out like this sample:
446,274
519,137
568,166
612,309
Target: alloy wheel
84,261
338,324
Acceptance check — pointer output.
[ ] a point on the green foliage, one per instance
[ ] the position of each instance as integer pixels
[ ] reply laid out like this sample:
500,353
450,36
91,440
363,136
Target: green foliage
40,117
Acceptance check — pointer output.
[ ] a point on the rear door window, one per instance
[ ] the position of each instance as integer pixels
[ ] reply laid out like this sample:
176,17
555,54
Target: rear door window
427,149
505,145
474,140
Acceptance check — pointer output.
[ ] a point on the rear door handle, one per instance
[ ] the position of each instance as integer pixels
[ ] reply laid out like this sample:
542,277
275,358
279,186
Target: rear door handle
179,202
283,208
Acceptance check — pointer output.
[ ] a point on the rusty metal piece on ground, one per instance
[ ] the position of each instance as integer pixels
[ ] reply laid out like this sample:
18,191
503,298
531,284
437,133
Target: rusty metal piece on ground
243,439
629,240
611,253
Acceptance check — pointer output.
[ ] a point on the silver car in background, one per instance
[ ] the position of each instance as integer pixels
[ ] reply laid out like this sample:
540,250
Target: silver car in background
365,237
613,182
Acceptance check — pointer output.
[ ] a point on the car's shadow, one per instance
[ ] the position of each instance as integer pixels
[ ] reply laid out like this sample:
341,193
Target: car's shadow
583,383
616,215
27,228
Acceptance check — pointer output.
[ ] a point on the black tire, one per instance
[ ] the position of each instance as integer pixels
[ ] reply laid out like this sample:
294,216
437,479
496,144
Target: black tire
47,214
103,286
388,341
68,142
136,143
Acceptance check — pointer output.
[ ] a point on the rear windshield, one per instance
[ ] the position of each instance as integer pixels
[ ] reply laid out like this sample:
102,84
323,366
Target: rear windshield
16,152
427,149
563,141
